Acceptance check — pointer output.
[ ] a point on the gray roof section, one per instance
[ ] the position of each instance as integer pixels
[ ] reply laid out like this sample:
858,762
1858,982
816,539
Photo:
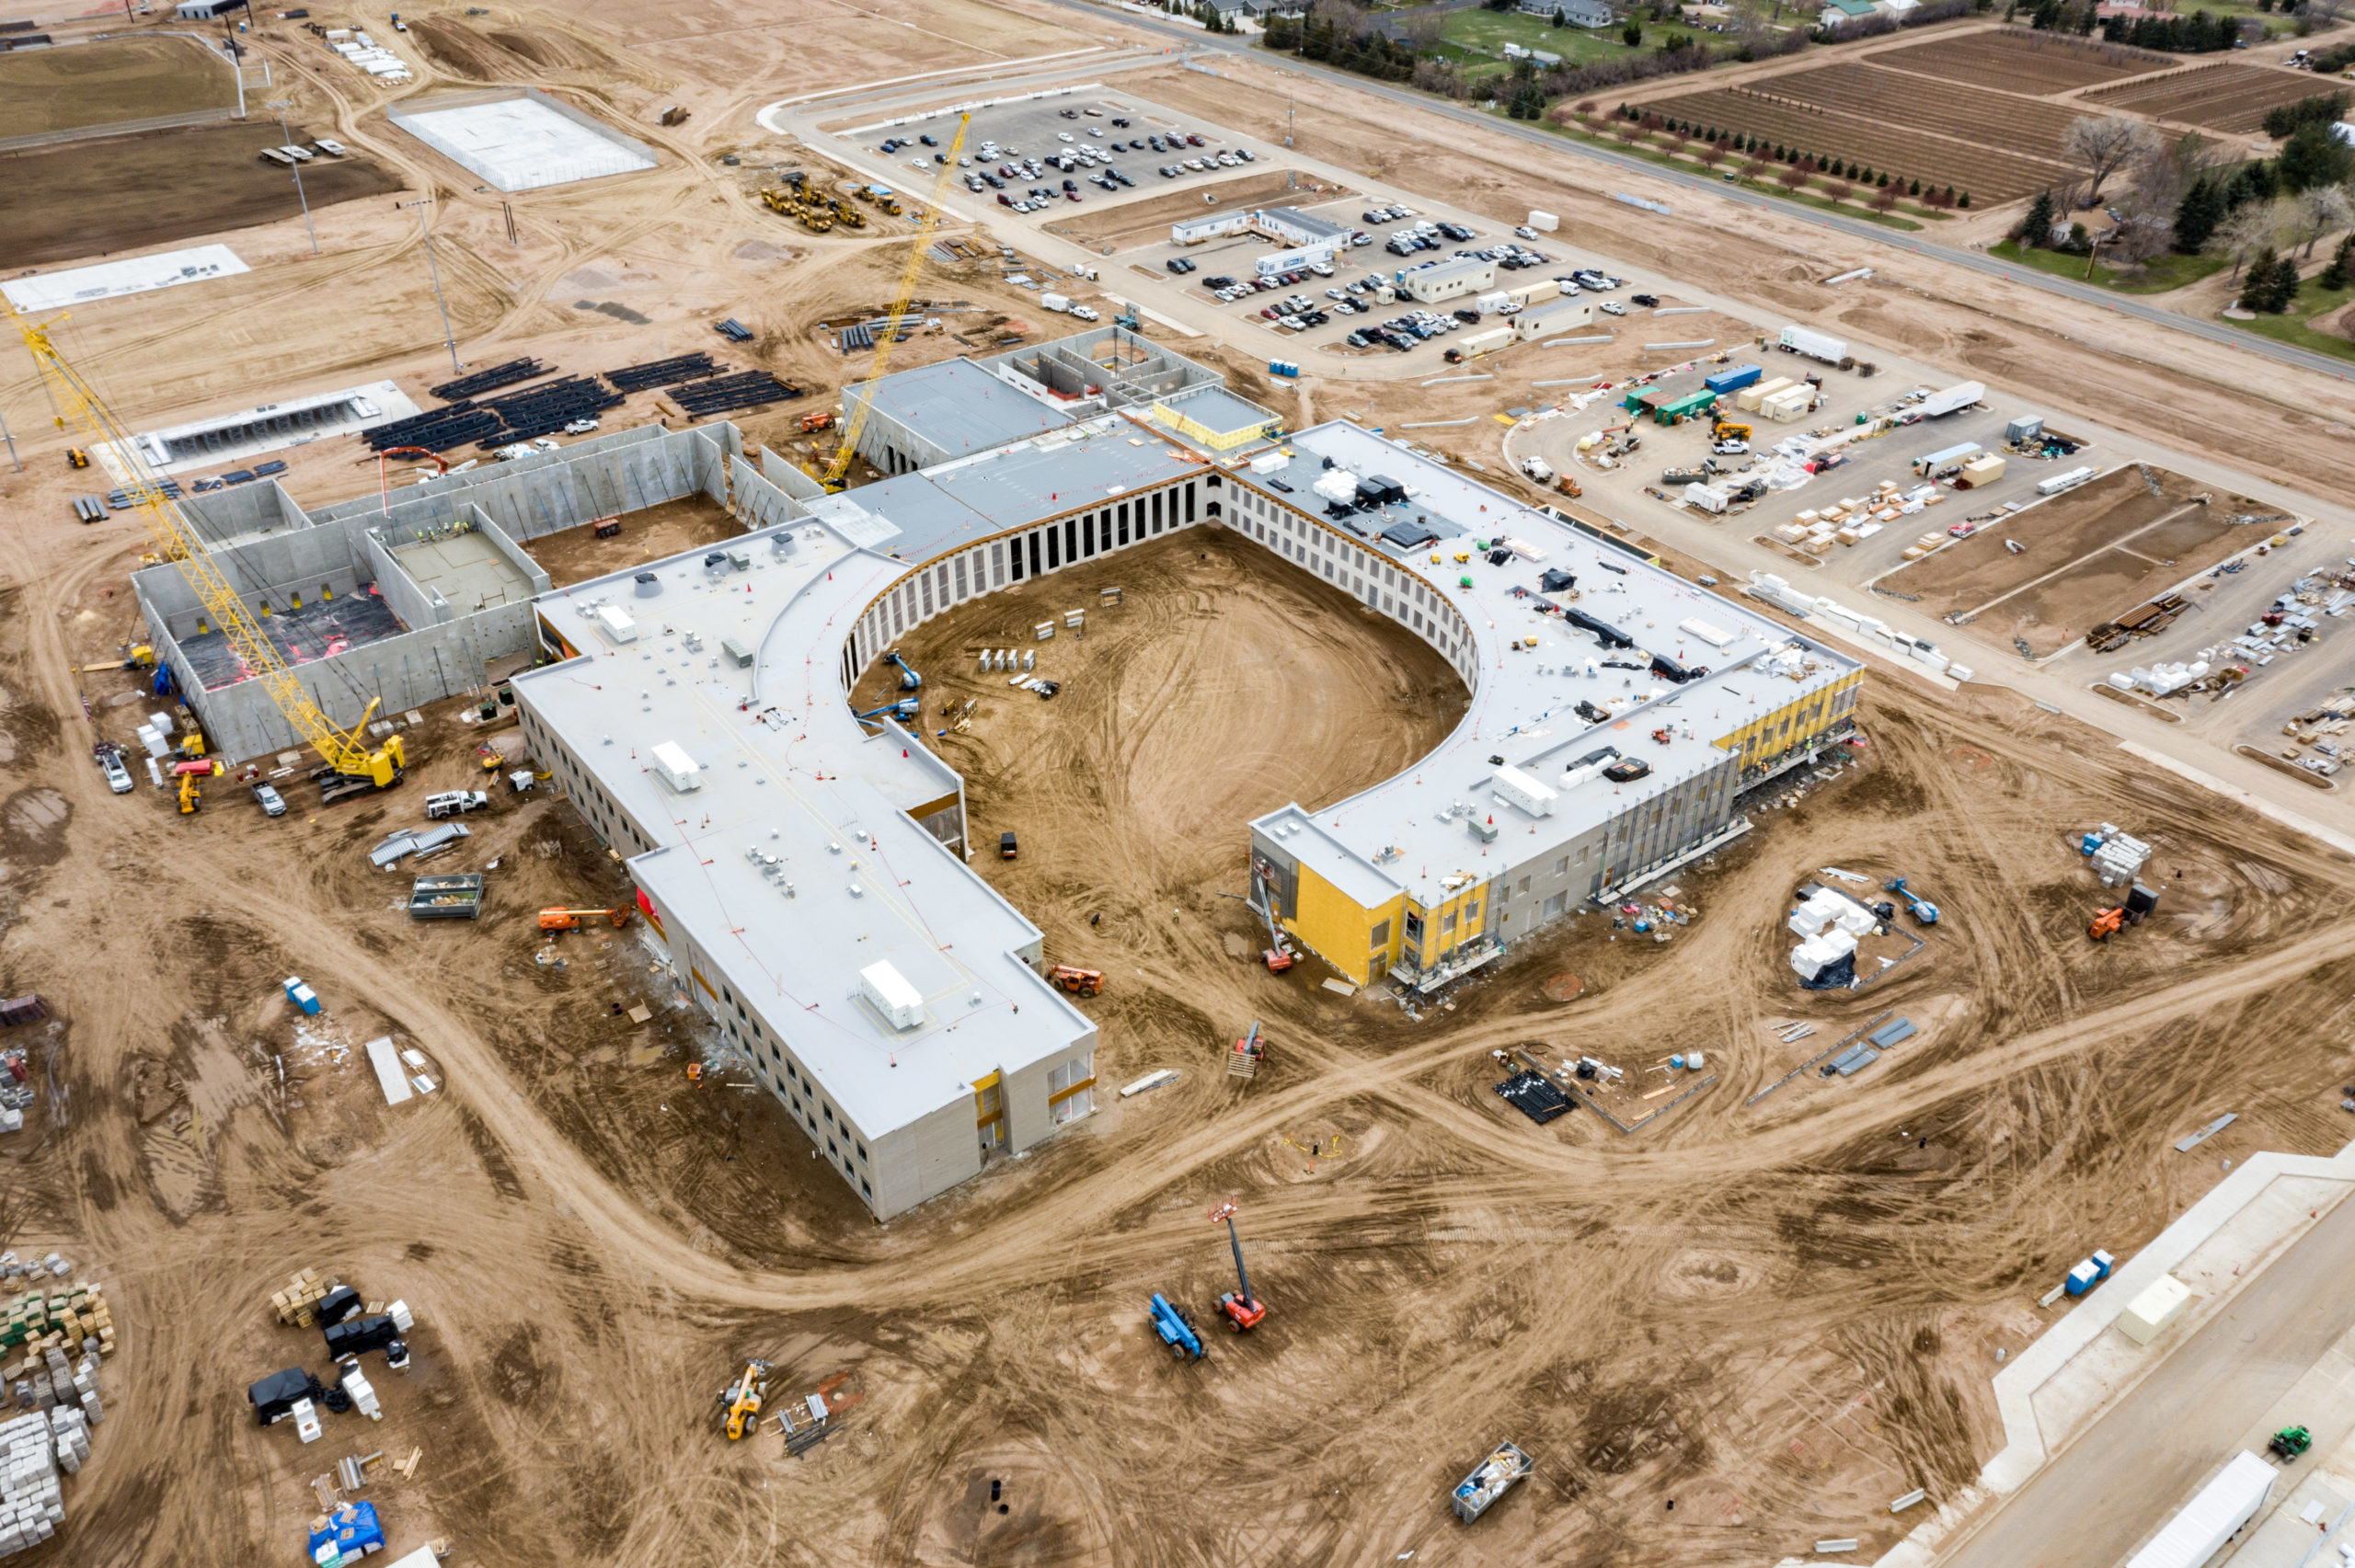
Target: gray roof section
1524,708
954,504
1216,409
787,770
959,406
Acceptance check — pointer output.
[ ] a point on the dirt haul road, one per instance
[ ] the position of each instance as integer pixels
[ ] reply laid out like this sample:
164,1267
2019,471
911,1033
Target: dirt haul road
1780,1317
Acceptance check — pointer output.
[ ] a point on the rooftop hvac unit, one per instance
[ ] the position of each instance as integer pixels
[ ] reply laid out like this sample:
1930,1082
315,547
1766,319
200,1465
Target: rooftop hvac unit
739,558
901,1003
615,624
678,770
736,650
1520,789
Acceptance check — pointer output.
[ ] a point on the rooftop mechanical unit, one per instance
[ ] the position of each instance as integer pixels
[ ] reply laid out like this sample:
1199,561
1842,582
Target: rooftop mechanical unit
901,1003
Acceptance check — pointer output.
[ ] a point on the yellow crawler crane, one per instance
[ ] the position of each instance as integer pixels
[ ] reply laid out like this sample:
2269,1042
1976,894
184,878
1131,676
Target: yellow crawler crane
345,753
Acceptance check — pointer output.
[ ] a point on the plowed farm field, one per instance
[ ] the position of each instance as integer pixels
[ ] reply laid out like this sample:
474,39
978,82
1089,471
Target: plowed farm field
2023,62
1868,136
2223,97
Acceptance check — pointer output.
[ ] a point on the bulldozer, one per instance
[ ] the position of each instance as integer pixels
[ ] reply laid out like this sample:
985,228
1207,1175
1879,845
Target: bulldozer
570,920
742,1399
1079,982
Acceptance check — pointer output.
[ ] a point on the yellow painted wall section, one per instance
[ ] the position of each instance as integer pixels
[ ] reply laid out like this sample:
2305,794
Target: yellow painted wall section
1811,715
1336,927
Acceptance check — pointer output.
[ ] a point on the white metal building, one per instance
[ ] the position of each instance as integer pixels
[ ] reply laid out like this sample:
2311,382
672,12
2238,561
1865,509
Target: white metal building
1448,280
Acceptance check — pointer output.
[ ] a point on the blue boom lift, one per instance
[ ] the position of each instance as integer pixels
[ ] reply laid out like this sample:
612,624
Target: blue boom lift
1924,911
909,680
904,710
1176,1329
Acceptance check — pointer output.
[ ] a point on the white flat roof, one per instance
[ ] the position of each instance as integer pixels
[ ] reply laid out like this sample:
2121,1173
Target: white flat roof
1524,708
166,269
785,771
520,144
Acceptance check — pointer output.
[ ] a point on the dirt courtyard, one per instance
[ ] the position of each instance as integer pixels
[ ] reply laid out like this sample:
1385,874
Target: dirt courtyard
576,554
2092,554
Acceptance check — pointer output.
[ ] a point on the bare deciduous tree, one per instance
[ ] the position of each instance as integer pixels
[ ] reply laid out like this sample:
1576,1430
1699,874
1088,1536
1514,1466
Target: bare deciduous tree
2106,145
2247,231
2316,211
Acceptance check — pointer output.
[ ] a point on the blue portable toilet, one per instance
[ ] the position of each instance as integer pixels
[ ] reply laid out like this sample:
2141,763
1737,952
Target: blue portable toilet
2091,842
351,1533
2090,1272
302,996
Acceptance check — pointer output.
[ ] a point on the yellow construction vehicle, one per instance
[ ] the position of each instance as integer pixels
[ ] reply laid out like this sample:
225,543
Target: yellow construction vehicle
1727,430
75,456
889,203
744,1400
348,763
846,215
831,476
781,203
142,657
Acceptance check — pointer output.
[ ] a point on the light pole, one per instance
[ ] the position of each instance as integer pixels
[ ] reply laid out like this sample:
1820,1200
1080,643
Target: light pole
281,105
449,338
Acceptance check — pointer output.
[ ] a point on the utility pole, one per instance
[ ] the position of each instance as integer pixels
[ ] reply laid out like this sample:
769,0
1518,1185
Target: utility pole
449,338
236,60
282,105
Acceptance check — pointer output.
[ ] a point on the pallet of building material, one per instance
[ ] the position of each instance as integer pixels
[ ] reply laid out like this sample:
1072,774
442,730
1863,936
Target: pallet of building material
752,389
492,380
297,1305
436,430
26,1009
733,330
1534,1096
664,372
1850,1062
865,334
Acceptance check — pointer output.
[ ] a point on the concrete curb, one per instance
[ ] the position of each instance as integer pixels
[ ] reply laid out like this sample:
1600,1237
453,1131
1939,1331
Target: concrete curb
2025,1451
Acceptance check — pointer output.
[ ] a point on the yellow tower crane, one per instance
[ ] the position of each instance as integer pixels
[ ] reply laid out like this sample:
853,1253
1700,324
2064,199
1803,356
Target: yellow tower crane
344,751
831,476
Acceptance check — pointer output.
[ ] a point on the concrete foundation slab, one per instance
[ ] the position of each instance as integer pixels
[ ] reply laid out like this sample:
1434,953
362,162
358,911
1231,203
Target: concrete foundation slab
80,285
319,630
467,570
524,143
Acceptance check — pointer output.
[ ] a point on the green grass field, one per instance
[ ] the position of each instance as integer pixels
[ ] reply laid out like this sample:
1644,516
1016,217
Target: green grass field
2312,301
1476,39
2158,276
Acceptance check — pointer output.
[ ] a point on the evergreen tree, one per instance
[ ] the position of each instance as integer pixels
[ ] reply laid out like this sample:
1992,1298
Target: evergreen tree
1914,187
2197,215
2256,284
2283,292
2313,155
1560,19
2036,229
2333,276
1964,200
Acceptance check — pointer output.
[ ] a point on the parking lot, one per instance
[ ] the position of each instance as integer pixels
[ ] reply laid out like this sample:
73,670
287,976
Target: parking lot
1113,130
1631,492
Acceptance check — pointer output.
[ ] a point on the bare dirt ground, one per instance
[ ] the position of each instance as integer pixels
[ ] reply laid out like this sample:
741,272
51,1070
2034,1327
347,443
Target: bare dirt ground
576,554
97,84
94,198
1779,1316
2114,542
1130,224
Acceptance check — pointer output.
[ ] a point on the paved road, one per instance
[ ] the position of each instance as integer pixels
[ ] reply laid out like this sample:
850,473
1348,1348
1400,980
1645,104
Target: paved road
2138,1464
2124,304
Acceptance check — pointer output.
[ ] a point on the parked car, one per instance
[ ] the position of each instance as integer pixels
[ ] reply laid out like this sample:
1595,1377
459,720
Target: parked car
1729,447
272,803
1613,307
1650,301
118,776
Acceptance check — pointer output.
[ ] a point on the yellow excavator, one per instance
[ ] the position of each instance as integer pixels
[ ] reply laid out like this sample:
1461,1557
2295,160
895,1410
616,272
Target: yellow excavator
744,1399
833,476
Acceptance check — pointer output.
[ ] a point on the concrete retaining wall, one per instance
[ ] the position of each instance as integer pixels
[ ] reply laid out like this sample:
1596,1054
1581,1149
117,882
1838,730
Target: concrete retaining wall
760,504
789,477
221,517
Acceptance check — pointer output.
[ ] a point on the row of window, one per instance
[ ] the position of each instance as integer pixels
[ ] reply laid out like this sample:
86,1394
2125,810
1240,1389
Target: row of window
1079,537
1399,593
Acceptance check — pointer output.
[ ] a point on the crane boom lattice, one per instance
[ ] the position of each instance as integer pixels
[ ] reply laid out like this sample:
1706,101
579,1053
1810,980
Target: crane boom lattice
177,542
895,323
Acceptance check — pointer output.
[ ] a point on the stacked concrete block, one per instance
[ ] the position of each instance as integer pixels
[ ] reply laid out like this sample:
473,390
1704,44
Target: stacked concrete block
32,1503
